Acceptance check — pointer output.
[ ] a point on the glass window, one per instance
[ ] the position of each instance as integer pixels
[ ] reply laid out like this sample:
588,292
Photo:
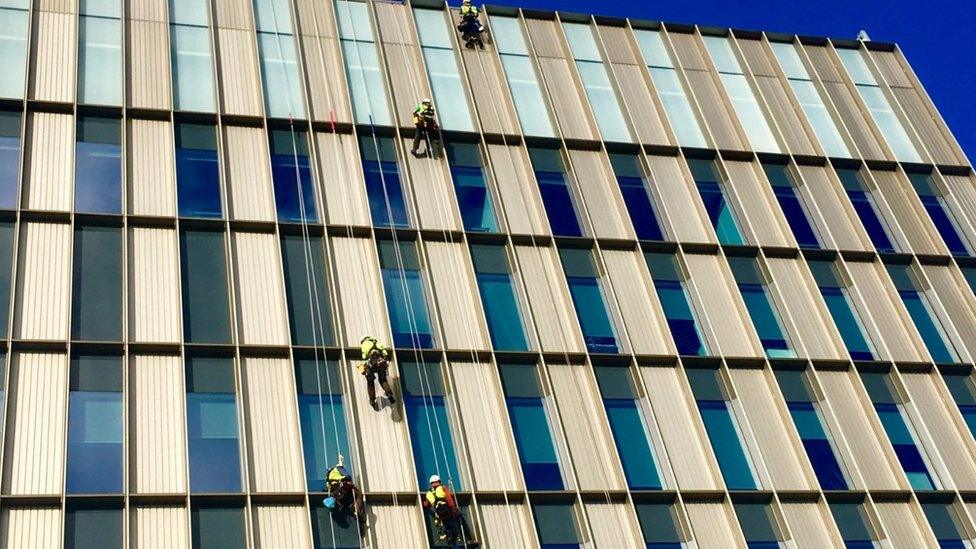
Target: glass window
497,290
424,399
854,525
964,393
669,282
445,77
6,263
753,287
215,527
923,314
722,428
405,296
862,198
206,309
282,79
13,49
211,416
197,171
669,88
471,187
98,165
550,173
9,158
596,82
366,85
659,525
100,57
714,196
292,174
92,524
306,288
947,525
810,425
321,411
330,531
794,207
95,425
557,526
531,426
837,297
192,65
636,190
589,299
629,420
96,304
941,213
386,201
758,525
530,105
969,273
3,376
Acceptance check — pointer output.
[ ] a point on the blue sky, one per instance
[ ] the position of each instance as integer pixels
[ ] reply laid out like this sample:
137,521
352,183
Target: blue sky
936,35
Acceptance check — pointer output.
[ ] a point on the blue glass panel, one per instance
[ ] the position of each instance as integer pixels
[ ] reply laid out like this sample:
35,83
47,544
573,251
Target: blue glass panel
94,524
386,203
765,320
470,186
658,525
591,308
408,309
942,519
637,197
848,324
719,212
796,215
330,531
817,445
853,525
212,432
95,425
866,209
533,437
290,170
9,158
904,444
947,228
931,333
215,527
206,308
197,171
757,525
309,309
964,393
556,525
725,441
630,436
501,310
681,319
98,166
559,203
322,417
96,304
430,429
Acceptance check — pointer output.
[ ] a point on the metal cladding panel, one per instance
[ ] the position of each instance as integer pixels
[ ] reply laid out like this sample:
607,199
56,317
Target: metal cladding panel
862,430
570,107
43,282
953,441
891,323
316,18
689,452
684,207
484,419
490,94
762,211
249,184
397,526
842,222
281,526
904,525
754,52
714,526
37,528
613,525
932,131
601,194
154,285
587,433
852,117
823,63
149,10
457,296
234,14
911,216
715,110
962,191
360,290
60,6
261,310
342,179
555,318
151,168
434,192
810,317
617,44
789,119
508,526
395,23
163,527
274,442
959,303
686,47
53,56
241,79
729,320
518,191
546,37
891,68
639,304
649,123
811,525
781,448
148,83
157,441
34,449
408,80
326,79
51,168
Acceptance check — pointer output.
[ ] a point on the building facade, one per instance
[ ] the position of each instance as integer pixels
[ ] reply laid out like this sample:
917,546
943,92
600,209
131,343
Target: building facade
666,286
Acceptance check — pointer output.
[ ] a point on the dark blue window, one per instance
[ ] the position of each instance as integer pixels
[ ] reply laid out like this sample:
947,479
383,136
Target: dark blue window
659,525
6,263
722,428
964,393
384,190
95,425
3,366
96,304
405,299
498,297
853,524
550,172
211,416
217,527
945,523
331,531
589,299
752,286
670,286
92,524
9,158
98,165
473,196
427,418
867,210
206,307
197,171
923,315
713,195
940,212
969,273
323,419
810,425
292,174
629,423
899,430
635,188
531,427
838,301
309,309
557,526
784,187
758,525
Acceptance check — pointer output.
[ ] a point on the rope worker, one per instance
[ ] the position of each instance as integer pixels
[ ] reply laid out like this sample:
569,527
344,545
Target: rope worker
470,27
447,517
375,365
344,495
426,124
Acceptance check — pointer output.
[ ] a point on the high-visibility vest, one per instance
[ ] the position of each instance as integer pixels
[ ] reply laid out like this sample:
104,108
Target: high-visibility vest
437,496
469,11
370,343
337,475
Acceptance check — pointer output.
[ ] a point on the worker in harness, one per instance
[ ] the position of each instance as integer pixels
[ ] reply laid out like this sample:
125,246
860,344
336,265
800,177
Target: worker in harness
470,27
426,126
445,512
375,365
344,496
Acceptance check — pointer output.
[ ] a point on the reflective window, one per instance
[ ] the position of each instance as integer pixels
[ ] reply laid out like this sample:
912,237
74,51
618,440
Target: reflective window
322,414
596,82
405,296
557,526
424,399
758,525
206,309
9,158
589,294
330,531
98,165
711,187
941,213
923,314
306,289
969,273
13,48
92,524
531,425
95,425
279,59
947,525
837,297
442,66
214,527
659,525
964,393
497,290
752,285
550,173
636,190
386,202
292,174
192,61
366,85
7,232
211,417
862,198
96,295
669,282
197,171
100,53
471,187
854,525
630,422
532,109
794,207
670,90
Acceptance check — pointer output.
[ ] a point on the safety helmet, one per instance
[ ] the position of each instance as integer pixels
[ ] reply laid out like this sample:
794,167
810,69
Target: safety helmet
363,340
426,101
434,478
466,2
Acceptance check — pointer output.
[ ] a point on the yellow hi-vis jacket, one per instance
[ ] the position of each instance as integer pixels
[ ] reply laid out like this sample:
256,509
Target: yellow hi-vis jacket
469,11
371,343
437,496
336,475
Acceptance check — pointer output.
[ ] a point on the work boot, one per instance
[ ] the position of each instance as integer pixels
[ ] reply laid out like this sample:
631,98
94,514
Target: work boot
391,398
373,404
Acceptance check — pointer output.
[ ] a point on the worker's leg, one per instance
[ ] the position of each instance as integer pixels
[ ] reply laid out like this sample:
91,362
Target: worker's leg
385,383
371,387
417,138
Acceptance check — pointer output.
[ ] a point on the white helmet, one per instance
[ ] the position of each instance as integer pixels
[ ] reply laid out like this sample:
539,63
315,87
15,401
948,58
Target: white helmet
434,478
